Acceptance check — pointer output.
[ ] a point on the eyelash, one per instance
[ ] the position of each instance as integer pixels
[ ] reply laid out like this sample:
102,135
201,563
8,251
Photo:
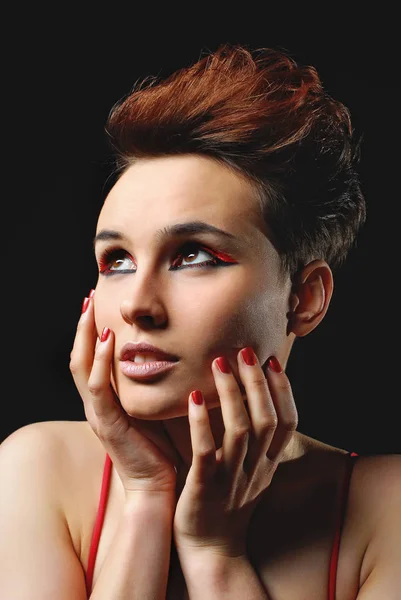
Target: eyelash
114,253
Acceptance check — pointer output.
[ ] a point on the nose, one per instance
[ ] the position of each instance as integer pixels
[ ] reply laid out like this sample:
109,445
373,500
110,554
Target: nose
142,303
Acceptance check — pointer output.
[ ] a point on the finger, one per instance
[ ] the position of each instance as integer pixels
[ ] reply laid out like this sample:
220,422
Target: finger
235,417
91,369
287,414
262,412
85,337
102,396
81,356
203,444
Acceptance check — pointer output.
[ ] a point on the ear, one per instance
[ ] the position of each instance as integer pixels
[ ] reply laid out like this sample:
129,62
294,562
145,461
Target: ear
310,297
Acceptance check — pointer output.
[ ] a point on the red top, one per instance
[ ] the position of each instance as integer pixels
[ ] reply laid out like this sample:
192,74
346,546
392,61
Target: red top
336,544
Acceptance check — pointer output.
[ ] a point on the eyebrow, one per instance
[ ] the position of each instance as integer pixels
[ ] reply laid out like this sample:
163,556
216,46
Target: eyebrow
189,228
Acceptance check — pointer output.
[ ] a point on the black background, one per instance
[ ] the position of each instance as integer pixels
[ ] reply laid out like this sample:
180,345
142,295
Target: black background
62,74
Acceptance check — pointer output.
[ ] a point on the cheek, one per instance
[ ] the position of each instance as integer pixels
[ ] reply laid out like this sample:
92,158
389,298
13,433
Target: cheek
210,304
257,319
104,313
220,315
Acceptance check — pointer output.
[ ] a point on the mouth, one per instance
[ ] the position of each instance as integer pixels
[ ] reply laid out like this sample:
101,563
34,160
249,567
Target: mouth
143,353
140,359
146,369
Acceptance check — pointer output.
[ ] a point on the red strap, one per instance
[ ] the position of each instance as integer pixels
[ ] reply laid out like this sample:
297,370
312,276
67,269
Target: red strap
102,507
339,525
98,524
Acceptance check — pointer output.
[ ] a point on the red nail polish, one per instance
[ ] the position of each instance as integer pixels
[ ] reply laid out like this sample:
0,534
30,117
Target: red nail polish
223,364
274,365
197,397
91,293
249,356
105,334
85,305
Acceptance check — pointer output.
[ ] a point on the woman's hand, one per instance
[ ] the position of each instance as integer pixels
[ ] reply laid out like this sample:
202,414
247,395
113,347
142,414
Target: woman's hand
223,487
140,450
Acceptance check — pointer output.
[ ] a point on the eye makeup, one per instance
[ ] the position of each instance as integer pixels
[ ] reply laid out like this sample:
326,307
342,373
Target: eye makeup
118,255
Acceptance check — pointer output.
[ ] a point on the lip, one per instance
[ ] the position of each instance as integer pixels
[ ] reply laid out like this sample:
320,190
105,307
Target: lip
145,370
130,349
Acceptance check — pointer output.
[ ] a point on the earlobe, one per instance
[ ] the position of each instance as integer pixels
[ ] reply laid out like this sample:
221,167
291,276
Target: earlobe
310,298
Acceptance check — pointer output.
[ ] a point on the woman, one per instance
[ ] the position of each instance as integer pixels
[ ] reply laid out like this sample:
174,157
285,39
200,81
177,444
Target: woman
236,199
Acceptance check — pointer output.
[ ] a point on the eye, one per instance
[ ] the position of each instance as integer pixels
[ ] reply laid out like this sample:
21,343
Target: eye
190,251
114,260
117,260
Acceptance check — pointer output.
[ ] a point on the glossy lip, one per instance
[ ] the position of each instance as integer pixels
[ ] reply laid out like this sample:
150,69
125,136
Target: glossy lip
130,349
145,370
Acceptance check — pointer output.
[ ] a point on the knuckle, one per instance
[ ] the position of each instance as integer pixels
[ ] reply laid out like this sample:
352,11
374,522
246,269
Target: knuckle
259,382
94,387
291,424
268,423
74,365
207,455
231,388
284,385
240,432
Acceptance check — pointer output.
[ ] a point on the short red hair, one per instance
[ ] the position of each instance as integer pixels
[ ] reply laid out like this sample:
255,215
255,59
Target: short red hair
269,119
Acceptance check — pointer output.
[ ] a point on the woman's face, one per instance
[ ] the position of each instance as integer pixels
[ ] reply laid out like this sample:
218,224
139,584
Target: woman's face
196,313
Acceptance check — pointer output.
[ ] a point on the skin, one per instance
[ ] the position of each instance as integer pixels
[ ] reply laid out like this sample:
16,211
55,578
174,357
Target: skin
205,543
197,314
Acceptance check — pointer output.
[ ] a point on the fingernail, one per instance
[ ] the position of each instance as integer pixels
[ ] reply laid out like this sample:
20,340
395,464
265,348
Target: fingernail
85,305
223,364
274,364
248,356
197,397
91,293
105,334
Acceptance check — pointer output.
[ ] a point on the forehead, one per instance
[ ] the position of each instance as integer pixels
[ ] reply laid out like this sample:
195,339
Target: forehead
156,192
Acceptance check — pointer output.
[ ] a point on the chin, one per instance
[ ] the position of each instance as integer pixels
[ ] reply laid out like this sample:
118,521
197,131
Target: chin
154,405
152,413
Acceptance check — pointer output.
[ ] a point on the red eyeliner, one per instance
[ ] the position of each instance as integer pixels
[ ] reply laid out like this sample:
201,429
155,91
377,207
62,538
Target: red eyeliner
221,255
114,253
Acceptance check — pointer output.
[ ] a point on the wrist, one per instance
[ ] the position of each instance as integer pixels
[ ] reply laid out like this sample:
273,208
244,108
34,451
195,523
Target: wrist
218,576
154,503
208,561
211,551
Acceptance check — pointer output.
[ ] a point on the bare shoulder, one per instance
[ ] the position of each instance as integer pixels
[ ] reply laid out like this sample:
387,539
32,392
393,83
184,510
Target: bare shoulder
293,534
46,430
376,478
49,446
62,460
41,446
40,509
59,450
377,494
378,468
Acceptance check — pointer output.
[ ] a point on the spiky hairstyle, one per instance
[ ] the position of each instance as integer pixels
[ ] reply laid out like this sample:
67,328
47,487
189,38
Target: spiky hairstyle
265,117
